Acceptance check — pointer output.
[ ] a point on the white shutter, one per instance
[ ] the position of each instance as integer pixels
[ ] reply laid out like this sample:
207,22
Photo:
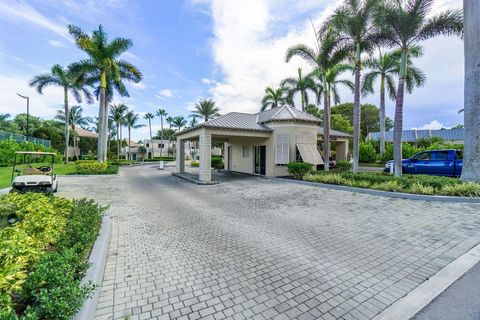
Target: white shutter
282,149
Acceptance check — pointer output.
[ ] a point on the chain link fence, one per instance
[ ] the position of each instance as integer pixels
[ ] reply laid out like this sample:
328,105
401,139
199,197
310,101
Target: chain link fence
21,138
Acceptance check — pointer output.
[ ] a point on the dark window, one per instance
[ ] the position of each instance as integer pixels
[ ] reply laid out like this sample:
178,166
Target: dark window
147,145
160,145
441,155
423,156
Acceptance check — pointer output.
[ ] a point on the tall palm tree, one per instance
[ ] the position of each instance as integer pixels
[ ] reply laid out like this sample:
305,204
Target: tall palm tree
104,67
353,20
64,78
471,156
170,122
179,122
75,118
117,114
332,82
131,121
4,116
302,84
194,120
405,23
328,53
206,109
162,113
149,116
273,98
386,66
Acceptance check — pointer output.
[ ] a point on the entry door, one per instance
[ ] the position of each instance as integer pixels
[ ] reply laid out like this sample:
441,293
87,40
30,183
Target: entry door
230,160
260,159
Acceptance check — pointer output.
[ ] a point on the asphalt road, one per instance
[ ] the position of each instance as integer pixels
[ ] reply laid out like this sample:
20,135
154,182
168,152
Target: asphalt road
461,301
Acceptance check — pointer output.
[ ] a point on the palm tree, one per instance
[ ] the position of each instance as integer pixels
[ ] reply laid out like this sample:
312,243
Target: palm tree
162,113
194,120
64,78
4,116
385,67
471,156
273,98
103,67
170,122
131,121
332,80
405,23
149,116
179,122
75,118
353,20
301,85
206,109
117,114
328,54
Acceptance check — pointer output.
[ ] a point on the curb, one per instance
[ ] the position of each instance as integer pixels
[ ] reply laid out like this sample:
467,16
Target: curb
384,193
193,180
95,272
417,299
4,191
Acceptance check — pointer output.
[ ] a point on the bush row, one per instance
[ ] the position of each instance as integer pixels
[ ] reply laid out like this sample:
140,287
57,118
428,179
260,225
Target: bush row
87,167
44,255
417,184
9,147
217,162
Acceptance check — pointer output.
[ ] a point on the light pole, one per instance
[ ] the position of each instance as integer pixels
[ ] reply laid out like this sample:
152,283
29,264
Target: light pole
28,111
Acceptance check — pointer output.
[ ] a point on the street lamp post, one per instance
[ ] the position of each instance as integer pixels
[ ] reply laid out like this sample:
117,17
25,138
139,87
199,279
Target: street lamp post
28,111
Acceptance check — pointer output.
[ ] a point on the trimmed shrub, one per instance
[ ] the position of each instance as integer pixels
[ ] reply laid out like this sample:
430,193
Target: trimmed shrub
464,190
217,162
90,167
195,163
367,153
298,169
344,166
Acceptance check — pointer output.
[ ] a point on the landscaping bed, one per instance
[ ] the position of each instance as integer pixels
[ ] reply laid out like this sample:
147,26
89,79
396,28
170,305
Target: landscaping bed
44,255
414,184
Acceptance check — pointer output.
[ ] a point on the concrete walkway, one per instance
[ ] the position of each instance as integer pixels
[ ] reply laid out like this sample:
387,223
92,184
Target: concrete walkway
252,248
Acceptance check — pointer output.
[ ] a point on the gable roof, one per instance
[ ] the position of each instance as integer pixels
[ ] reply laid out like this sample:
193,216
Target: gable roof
85,133
333,133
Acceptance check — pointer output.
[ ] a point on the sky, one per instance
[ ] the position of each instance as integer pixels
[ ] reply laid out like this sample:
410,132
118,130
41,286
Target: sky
193,49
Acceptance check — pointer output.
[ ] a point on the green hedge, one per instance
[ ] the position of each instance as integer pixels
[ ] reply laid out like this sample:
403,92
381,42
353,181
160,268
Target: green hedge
418,184
217,163
86,167
367,153
9,147
43,256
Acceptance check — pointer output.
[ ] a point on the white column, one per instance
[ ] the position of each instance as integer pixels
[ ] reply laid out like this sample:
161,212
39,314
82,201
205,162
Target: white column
341,151
205,156
180,156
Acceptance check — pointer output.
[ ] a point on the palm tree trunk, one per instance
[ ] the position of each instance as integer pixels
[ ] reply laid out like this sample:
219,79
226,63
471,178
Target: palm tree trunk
74,136
121,136
356,113
106,137
118,140
398,122
326,126
161,137
101,115
67,125
471,156
151,140
382,115
302,93
129,139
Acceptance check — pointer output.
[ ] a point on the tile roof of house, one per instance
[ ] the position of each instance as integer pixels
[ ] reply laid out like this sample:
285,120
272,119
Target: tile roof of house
415,135
85,133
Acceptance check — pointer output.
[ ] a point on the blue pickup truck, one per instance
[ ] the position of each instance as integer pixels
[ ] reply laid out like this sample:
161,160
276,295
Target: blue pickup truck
433,162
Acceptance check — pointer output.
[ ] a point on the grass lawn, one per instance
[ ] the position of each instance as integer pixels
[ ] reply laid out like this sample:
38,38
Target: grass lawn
376,165
60,168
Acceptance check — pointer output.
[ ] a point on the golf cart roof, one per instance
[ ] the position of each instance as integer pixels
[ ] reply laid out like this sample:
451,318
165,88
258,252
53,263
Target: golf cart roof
36,153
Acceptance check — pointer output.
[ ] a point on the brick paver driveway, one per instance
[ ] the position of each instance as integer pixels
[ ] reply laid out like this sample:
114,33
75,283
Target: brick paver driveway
254,248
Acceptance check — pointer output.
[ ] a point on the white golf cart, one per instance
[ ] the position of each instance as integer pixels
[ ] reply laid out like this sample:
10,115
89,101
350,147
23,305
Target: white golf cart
33,172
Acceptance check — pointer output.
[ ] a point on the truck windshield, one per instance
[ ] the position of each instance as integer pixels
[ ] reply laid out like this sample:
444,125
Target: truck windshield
423,156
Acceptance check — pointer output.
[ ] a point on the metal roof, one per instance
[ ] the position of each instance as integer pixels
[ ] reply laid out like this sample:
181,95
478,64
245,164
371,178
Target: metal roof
285,113
333,133
415,135
233,121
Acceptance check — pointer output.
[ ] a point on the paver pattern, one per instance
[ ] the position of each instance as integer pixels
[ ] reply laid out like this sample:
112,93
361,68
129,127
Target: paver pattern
252,248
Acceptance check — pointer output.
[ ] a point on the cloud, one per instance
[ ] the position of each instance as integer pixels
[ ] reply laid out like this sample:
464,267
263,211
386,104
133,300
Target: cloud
139,85
164,93
209,81
433,125
250,40
21,12
58,44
